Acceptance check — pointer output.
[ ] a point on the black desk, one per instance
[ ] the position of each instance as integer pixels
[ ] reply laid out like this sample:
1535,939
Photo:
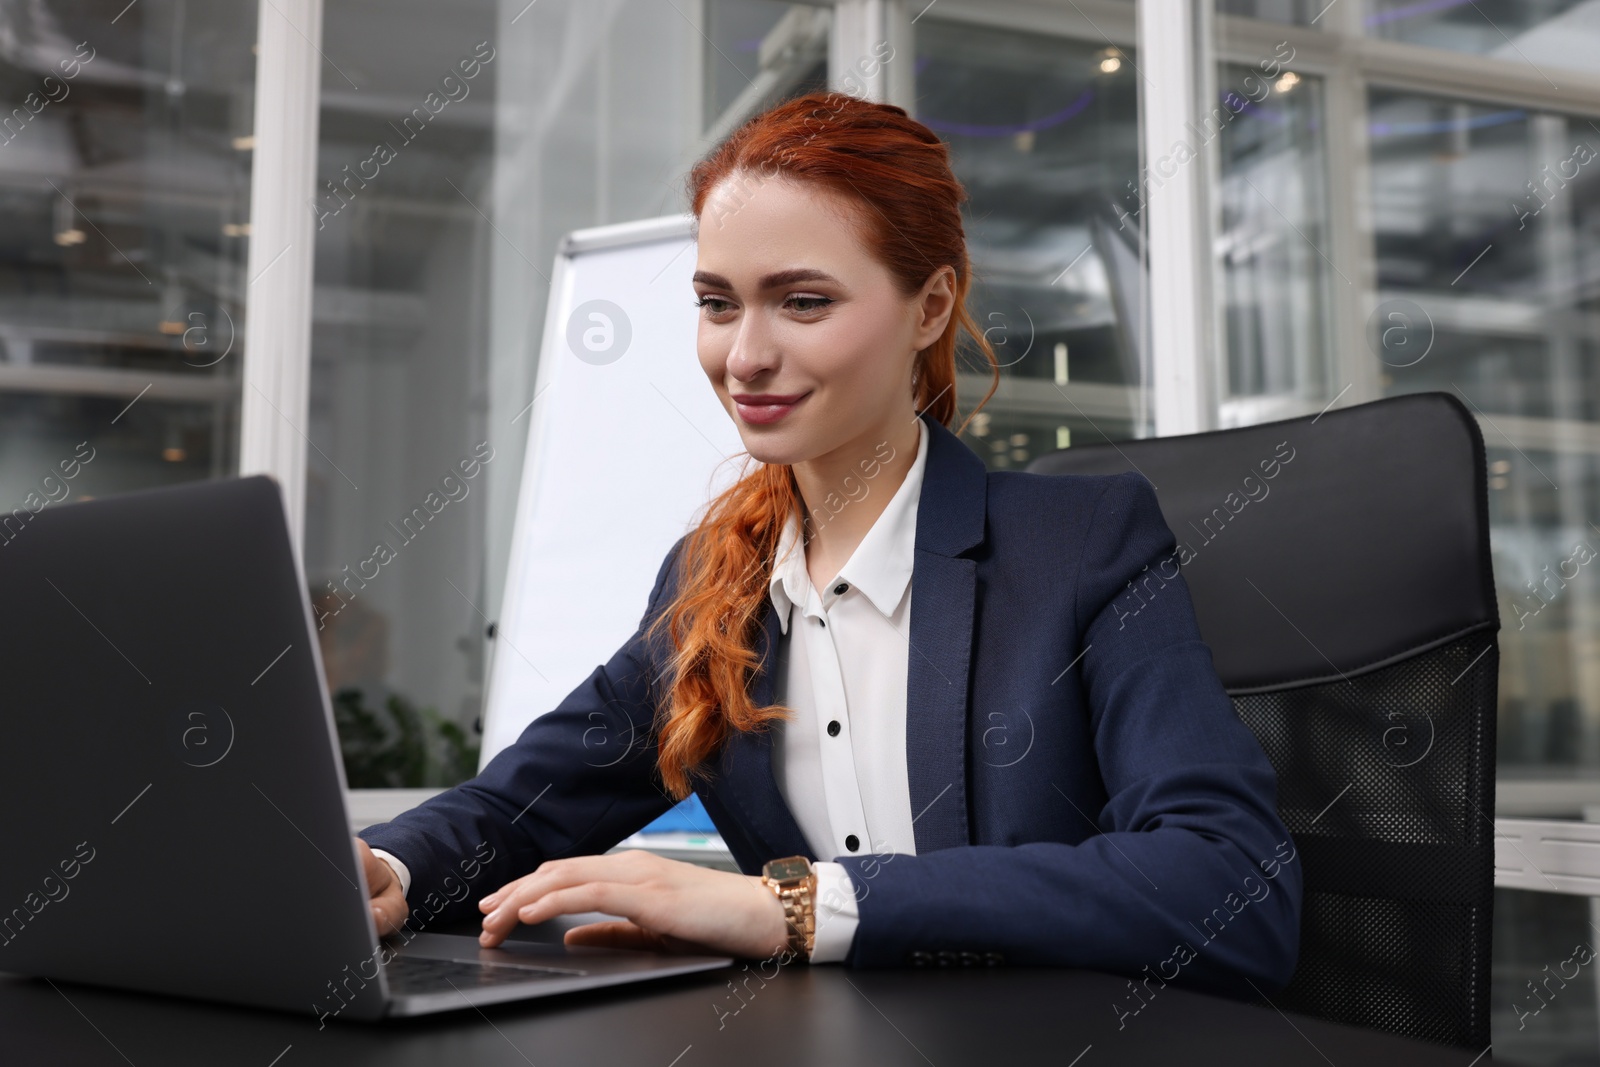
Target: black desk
824,1015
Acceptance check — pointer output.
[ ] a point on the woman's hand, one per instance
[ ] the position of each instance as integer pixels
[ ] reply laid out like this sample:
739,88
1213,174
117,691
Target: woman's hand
668,905
389,909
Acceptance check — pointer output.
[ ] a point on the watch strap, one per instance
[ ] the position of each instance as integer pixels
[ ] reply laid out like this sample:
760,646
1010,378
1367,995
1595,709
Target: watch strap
799,900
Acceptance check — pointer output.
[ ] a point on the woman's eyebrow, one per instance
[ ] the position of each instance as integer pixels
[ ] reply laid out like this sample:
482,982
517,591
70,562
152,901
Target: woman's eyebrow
770,281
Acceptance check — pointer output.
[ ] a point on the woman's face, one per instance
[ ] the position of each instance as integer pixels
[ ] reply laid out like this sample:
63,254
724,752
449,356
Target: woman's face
803,334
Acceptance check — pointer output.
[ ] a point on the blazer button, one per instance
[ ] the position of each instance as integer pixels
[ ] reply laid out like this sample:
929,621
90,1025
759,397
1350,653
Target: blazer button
852,842
994,959
833,728
918,958
841,587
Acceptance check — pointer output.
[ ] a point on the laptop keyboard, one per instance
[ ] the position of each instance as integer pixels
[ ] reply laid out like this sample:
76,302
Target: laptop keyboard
417,974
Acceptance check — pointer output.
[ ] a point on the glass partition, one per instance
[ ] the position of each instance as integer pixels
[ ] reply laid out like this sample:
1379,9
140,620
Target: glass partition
1273,241
1484,221
125,151
1044,134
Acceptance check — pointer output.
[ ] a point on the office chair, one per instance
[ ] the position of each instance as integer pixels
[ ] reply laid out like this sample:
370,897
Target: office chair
1340,572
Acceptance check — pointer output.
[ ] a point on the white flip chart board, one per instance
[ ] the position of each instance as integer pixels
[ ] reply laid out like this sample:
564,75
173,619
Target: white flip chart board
627,444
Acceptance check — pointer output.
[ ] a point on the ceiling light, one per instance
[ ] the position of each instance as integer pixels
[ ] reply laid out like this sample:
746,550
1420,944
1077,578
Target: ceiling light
173,450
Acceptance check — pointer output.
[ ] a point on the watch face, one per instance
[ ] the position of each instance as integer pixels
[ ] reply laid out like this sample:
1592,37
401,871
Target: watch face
787,870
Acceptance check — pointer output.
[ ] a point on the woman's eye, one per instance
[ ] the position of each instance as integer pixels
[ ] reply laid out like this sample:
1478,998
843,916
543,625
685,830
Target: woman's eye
816,302
707,301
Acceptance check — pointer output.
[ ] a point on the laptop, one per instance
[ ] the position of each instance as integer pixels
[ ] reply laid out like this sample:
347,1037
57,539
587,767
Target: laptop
172,781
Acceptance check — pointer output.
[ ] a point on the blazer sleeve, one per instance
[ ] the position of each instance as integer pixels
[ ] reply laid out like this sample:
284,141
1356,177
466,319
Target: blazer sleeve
580,778
1191,876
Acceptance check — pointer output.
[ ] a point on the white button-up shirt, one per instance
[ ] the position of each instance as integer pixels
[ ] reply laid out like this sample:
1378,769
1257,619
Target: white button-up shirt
841,666
840,762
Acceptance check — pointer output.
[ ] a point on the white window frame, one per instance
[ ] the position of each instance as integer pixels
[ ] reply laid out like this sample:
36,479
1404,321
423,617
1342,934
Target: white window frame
275,400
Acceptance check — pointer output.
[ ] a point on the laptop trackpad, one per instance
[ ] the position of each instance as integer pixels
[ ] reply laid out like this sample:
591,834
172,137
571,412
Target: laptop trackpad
547,951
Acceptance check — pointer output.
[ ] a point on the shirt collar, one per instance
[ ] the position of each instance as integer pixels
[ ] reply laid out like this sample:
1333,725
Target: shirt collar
881,565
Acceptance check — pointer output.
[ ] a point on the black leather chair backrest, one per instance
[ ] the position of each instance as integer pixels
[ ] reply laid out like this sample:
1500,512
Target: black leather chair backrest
1340,571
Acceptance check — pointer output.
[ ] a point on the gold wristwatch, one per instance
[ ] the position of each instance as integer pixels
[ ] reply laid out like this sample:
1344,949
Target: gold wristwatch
795,884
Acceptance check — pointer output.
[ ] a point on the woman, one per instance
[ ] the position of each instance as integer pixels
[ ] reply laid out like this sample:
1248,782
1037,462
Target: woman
936,681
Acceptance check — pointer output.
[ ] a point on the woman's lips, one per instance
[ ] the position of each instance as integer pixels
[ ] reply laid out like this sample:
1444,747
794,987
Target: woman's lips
764,414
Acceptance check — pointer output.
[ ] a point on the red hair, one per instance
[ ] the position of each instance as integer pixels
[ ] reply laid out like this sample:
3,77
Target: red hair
898,172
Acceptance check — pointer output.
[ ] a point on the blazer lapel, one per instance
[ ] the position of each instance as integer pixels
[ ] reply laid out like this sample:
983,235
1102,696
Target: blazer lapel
950,520
749,776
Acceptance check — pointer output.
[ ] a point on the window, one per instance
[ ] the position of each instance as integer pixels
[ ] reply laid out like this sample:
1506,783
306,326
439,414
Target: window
399,473
1044,134
125,155
1275,276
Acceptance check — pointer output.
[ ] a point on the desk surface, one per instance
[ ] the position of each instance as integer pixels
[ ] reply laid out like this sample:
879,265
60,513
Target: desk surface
803,1015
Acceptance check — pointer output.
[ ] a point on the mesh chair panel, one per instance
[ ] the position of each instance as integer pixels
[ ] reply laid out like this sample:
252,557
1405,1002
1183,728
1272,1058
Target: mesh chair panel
1396,839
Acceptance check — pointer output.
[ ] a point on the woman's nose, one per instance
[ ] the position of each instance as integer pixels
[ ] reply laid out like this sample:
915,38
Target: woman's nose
753,351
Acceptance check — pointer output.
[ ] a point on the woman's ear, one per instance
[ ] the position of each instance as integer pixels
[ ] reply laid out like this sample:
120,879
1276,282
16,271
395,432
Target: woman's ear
937,302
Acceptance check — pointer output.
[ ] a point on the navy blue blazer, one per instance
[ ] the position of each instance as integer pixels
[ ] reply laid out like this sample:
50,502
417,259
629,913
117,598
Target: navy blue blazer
1084,793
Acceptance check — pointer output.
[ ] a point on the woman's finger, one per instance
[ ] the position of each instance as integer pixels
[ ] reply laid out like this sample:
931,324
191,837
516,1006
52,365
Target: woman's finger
509,910
499,896
631,866
502,907
389,911
611,897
